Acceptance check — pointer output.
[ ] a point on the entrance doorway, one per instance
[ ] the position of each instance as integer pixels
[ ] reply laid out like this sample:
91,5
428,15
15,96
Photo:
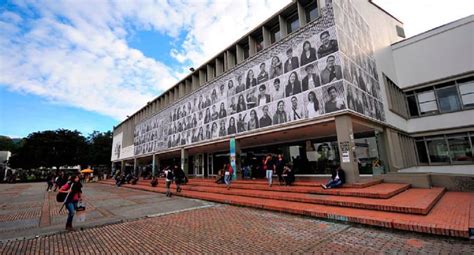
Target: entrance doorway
198,164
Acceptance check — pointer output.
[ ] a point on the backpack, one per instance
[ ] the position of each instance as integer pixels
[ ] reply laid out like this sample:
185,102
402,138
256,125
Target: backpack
170,175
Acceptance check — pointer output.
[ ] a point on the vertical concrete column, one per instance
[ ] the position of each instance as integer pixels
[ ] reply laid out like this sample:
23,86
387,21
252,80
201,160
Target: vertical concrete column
346,145
184,161
283,26
240,53
252,46
382,149
135,166
122,166
153,165
267,40
235,152
301,14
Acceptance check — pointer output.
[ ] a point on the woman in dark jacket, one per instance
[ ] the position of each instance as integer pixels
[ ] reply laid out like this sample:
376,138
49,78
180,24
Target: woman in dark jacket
338,177
74,189
308,55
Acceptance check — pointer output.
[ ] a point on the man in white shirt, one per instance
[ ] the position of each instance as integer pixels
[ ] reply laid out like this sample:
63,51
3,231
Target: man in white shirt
279,93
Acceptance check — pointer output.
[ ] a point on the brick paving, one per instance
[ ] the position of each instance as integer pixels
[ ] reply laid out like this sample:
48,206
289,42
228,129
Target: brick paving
230,229
28,210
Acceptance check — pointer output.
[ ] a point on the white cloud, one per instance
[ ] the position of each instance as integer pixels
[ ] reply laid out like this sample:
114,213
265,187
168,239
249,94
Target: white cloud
76,53
422,15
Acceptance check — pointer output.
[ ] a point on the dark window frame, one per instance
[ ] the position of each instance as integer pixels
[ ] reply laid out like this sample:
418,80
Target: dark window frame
435,89
446,137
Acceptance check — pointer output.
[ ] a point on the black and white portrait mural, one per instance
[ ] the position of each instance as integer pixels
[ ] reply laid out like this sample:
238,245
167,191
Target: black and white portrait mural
358,63
320,70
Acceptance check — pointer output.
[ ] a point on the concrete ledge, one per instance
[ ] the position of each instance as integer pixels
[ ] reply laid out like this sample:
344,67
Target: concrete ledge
453,182
416,180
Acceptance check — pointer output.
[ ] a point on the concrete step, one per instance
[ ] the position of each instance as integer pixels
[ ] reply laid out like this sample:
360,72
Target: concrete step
382,190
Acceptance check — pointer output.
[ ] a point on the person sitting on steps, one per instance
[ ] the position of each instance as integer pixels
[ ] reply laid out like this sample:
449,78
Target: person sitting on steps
338,178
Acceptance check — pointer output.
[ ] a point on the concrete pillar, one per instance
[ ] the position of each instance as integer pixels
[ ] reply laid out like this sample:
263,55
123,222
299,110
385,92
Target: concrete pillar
283,26
345,140
184,161
235,152
382,149
135,166
122,166
301,14
267,40
153,165
252,46
240,53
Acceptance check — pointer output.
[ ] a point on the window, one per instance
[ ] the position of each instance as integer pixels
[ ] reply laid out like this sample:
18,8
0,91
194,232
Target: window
427,102
460,148
448,99
421,149
412,106
445,149
466,90
453,96
275,34
437,150
312,11
396,98
293,23
259,43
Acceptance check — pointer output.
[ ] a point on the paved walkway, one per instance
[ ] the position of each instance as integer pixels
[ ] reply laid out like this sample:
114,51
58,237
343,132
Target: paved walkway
27,210
230,229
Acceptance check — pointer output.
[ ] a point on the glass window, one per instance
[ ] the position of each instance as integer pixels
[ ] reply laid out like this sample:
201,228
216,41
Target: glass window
460,148
412,105
422,154
275,34
437,150
259,43
311,12
467,93
427,102
293,24
448,99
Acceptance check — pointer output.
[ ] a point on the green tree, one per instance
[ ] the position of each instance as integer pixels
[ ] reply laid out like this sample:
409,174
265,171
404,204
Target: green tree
99,148
7,144
51,148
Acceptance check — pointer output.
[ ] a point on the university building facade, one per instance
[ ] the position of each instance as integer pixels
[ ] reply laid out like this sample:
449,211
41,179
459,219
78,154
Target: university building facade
324,83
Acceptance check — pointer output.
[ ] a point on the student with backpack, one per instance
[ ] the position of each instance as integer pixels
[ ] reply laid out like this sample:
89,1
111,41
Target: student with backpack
73,189
169,179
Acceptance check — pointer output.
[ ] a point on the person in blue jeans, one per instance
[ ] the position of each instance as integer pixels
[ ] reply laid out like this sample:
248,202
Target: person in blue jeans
74,189
338,178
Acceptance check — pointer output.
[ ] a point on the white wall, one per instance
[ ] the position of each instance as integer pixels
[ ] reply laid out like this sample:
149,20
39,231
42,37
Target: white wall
442,121
436,54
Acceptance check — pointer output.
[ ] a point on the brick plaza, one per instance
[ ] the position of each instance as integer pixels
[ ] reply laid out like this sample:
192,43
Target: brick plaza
203,228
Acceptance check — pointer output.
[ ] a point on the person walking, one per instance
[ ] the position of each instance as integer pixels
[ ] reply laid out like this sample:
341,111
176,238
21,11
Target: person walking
280,164
49,181
169,179
269,165
178,177
228,175
73,188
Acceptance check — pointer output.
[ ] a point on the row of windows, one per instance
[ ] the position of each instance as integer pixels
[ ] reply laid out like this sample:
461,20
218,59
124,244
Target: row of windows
445,149
284,24
453,96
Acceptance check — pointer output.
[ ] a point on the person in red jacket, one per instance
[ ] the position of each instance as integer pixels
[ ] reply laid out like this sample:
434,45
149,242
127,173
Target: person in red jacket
74,189
229,171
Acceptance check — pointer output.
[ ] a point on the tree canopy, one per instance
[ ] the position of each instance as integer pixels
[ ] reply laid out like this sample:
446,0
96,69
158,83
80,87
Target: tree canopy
63,148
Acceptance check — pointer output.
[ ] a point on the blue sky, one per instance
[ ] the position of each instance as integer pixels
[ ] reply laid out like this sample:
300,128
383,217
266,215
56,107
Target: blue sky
88,64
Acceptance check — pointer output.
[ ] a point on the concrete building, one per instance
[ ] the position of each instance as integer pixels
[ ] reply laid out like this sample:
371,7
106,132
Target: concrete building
325,83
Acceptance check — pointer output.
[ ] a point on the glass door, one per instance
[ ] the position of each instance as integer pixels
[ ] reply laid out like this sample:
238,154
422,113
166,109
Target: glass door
199,165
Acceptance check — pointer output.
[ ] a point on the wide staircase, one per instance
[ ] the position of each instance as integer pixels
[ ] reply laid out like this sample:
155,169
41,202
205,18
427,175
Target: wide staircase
371,202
